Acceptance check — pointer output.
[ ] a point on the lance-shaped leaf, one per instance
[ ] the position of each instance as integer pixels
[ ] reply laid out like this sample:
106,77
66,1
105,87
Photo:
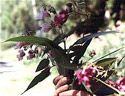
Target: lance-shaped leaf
106,62
32,39
120,60
105,89
43,64
81,52
88,37
40,77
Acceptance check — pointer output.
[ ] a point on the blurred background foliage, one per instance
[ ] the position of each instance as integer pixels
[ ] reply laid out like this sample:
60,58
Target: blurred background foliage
17,17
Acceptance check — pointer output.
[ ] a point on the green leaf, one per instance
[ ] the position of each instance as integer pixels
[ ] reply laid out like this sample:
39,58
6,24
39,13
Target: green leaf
107,85
106,62
120,60
32,39
81,52
88,37
43,64
46,51
40,77
70,66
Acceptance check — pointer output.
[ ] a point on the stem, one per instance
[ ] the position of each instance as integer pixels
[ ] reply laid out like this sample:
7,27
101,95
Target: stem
109,54
62,32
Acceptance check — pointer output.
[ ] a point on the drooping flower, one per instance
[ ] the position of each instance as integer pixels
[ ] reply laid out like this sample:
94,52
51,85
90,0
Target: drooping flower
43,14
69,7
31,55
20,55
19,45
61,18
45,27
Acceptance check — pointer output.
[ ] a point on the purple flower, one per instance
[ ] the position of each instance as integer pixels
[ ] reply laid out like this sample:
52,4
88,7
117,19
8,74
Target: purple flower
45,27
60,19
43,14
69,7
19,45
20,55
31,55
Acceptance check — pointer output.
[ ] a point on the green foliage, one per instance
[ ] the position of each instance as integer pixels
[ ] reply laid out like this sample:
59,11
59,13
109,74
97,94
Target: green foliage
105,63
32,40
16,19
43,64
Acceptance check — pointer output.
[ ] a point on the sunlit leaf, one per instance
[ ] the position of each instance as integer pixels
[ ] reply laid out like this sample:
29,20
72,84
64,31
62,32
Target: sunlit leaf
106,62
43,64
32,40
40,77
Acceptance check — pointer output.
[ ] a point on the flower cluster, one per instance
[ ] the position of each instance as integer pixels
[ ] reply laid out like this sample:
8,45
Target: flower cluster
119,84
59,19
85,75
22,46
43,16
62,17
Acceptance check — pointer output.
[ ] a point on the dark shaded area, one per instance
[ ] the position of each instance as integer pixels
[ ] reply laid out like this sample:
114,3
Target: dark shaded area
95,21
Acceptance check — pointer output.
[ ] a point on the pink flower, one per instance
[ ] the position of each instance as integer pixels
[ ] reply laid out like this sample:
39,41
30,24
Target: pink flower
89,71
79,75
60,19
111,83
19,45
85,76
120,84
20,55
